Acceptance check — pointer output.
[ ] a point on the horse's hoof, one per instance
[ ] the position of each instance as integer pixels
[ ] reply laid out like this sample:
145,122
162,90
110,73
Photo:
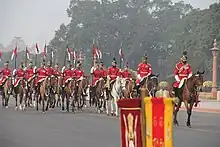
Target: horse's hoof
176,123
188,124
16,108
6,107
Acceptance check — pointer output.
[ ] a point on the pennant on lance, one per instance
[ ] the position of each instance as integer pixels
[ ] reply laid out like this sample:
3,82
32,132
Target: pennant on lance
45,51
0,56
27,53
37,49
121,54
14,53
68,53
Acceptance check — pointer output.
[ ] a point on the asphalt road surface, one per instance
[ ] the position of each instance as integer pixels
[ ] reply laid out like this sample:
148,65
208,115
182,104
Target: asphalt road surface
83,129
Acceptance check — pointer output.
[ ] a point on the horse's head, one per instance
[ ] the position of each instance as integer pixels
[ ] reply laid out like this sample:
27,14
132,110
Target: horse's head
154,81
198,80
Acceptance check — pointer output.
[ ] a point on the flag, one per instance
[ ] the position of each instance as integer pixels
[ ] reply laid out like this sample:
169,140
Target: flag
14,53
94,51
45,51
99,53
0,56
68,53
36,49
74,57
52,54
27,53
121,54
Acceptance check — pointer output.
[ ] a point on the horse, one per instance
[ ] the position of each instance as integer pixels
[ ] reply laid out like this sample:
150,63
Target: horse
40,93
128,86
19,90
115,94
66,92
187,94
98,95
81,87
6,90
56,91
30,92
151,84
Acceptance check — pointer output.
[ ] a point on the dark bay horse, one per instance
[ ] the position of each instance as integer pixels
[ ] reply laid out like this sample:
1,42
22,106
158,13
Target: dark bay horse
19,91
151,84
6,90
97,95
187,94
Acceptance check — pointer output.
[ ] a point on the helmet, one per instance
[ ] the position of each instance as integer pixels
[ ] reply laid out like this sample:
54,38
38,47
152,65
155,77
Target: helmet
126,66
69,64
43,63
184,56
114,62
57,65
79,64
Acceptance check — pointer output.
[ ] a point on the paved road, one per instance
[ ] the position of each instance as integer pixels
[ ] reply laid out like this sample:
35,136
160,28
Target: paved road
60,129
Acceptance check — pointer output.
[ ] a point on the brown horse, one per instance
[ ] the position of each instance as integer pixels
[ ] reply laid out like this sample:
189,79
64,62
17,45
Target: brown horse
30,91
97,95
40,93
56,91
151,84
19,91
128,86
6,91
67,93
81,87
187,94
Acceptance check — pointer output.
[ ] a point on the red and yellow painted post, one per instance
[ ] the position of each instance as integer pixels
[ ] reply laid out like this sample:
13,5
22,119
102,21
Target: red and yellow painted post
159,124
130,120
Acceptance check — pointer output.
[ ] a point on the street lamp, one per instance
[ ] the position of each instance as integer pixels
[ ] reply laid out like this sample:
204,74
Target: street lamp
214,69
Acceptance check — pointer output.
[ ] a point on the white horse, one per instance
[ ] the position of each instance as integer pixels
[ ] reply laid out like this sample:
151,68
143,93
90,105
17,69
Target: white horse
115,94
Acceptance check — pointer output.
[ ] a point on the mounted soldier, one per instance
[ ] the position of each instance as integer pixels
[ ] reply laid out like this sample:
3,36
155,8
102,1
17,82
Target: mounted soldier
125,74
68,74
113,73
96,73
102,68
182,72
6,72
42,74
30,72
49,69
78,72
20,74
144,71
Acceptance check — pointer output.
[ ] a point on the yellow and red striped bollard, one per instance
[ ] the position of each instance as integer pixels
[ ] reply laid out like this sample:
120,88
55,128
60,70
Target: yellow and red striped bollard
159,124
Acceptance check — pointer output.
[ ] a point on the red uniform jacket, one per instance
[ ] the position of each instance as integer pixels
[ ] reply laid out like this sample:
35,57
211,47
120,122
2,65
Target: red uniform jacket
78,73
68,74
42,74
29,73
50,71
113,72
182,71
144,69
104,72
126,75
97,74
5,73
20,73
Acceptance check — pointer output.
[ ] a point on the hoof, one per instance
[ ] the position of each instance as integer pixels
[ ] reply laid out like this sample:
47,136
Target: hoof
16,108
6,107
188,125
176,123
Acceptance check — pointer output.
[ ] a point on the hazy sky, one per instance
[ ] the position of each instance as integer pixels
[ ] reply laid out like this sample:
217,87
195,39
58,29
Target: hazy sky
36,20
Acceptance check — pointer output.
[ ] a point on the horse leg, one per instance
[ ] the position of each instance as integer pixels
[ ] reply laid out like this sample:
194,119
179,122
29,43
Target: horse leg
116,107
176,110
16,102
67,102
73,103
43,102
63,98
189,113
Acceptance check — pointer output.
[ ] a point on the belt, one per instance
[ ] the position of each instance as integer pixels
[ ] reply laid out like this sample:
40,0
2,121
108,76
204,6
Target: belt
183,75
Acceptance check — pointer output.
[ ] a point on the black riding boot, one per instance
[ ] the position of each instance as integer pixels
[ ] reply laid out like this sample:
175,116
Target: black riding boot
138,90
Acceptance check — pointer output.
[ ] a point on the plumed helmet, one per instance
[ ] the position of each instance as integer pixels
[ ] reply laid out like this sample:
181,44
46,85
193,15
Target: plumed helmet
184,56
43,62
114,61
126,65
69,63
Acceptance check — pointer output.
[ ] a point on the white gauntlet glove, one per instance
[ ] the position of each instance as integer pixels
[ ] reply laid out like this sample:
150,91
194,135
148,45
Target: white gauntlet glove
139,76
177,78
